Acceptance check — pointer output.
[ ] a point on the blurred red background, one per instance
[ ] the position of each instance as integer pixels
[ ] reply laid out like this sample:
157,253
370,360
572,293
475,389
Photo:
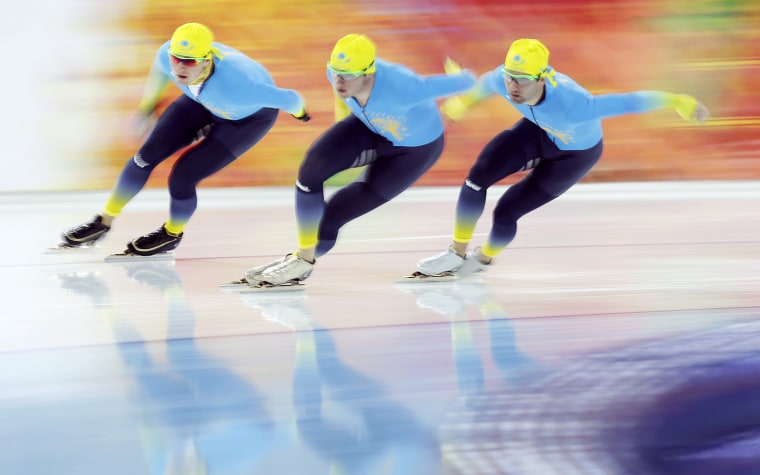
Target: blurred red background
704,48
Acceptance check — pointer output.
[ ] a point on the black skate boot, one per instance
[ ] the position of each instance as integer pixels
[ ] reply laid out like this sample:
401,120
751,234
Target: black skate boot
85,234
157,242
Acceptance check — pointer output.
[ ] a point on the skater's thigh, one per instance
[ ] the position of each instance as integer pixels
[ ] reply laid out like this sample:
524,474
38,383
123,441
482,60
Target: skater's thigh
175,128
557,175
226,141
347,144
239,136
201,161
508,152
393,173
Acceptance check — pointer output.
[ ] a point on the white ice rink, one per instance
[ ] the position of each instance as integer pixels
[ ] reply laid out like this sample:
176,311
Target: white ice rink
552,361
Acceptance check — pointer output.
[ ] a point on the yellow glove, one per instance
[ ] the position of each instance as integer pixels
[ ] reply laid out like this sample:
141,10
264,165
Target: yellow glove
303,116
451,66
690,109
454,108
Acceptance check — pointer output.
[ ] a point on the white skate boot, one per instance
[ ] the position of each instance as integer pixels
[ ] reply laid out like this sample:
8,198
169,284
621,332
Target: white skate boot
253,275
472,264
293,269
446,263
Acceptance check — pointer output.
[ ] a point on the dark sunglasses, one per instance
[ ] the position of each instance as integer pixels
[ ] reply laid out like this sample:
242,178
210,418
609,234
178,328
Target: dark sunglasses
186,61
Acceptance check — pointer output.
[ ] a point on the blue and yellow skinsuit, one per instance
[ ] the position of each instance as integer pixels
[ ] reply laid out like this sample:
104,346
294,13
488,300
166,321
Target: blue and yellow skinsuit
398,135
240,103
559,138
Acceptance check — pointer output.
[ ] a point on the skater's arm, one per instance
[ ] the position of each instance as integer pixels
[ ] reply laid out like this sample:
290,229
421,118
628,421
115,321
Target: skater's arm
288,100
611,105
155,85
425,88
455,108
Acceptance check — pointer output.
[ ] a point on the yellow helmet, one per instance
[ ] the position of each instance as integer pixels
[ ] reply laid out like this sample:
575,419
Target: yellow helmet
528,56
353,54
191,40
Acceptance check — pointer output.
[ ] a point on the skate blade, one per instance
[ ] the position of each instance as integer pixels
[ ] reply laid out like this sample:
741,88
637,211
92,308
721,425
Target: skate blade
126,256
235,285
420,278
290,286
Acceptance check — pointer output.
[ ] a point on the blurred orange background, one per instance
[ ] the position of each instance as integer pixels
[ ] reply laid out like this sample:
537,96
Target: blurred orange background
704,48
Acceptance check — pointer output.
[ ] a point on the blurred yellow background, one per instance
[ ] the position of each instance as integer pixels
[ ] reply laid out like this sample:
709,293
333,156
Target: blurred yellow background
705,48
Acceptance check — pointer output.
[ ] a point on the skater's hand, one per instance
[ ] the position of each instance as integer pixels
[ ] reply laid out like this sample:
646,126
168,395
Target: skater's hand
451,66
303,116
690,109
454,108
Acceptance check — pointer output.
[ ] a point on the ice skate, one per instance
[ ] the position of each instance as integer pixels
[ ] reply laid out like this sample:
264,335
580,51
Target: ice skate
242,286
472,264
289,286
418,277
84,236
446,266
234,285
253,275
252,278
446,262
158,244
438,268
292,270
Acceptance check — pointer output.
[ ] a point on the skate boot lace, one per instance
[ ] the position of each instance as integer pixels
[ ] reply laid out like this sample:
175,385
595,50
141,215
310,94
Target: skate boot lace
81,227
291,262
84,227
85,230
153,234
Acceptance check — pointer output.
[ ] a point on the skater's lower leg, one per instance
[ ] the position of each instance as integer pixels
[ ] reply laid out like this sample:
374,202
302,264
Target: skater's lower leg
459,247
106,219
307,253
